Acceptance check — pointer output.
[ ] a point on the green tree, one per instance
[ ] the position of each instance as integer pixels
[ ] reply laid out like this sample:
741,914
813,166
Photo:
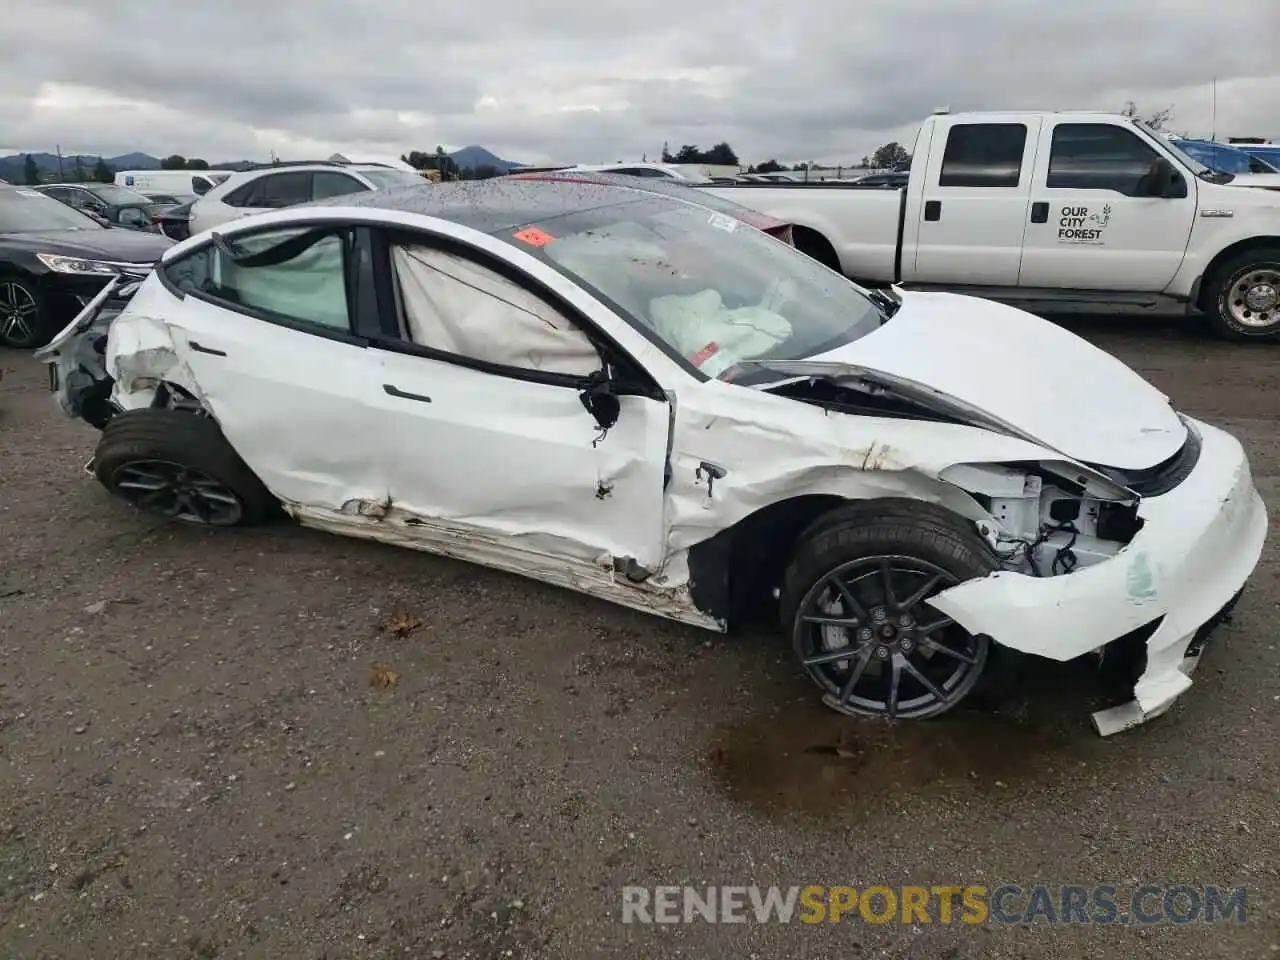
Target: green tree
892,154
102,171
195,163
721,154
30,172
769,166
174,161
689,153
78,173
485,171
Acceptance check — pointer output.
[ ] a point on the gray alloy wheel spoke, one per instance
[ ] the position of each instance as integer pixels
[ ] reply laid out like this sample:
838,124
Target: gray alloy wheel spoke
834,656
857,613
855,674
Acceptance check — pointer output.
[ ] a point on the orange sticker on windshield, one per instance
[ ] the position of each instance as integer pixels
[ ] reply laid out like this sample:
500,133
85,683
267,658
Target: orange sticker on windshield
535,237
705,354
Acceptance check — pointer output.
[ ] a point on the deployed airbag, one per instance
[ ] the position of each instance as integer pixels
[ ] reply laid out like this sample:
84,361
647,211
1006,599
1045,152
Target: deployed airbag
457,306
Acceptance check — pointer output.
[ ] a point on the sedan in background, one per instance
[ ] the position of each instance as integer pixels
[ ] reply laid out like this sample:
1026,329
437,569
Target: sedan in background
54,259
117,206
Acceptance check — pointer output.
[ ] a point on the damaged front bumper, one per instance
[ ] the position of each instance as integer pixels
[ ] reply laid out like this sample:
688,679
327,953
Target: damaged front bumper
1177,578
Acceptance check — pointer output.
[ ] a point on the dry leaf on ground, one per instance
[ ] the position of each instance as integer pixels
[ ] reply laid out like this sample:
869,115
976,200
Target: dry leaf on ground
381,678
402,622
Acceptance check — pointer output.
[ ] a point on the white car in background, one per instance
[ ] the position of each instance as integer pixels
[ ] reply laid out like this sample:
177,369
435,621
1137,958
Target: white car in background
278,185
649,401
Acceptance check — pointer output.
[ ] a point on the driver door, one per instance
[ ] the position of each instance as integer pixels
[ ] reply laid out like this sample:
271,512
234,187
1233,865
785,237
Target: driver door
492,455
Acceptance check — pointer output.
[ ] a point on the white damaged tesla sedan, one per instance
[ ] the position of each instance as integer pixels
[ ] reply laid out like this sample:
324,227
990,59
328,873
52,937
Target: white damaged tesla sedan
642,399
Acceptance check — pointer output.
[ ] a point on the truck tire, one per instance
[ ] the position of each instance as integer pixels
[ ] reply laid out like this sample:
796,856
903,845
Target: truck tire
1242,296
179,466
859,583
814,244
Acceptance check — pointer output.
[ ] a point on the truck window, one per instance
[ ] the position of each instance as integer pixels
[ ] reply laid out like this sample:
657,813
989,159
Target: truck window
1098,156
983,155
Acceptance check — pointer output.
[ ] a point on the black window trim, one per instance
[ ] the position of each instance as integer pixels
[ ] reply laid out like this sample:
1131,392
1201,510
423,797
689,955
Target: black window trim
1022,157
302,326
632,377
1155,152
372,332
344,174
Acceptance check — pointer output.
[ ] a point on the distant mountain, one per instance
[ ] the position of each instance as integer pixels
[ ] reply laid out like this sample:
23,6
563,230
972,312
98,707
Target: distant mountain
12,168
480,157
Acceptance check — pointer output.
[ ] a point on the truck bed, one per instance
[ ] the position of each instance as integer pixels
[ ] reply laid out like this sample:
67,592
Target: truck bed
866,220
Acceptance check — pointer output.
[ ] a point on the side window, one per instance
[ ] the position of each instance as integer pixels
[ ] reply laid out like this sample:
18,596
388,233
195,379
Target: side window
1098,156
297,281
458,306
983,155
637,172
324,184
241,196
200,186
284,190
133,217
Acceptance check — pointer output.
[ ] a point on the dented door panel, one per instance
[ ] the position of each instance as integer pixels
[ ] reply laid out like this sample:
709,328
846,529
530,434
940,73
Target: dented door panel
522,461
298,407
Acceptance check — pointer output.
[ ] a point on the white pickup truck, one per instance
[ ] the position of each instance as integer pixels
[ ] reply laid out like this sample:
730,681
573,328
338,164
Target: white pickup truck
1073,212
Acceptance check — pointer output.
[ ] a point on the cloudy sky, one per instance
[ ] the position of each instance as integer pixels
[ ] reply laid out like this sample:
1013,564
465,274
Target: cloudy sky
592,81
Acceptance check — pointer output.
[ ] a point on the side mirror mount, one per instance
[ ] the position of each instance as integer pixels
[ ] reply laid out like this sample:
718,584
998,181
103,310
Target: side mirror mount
599,399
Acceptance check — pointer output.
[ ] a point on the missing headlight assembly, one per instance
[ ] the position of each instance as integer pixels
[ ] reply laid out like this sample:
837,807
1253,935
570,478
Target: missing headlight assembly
1049,519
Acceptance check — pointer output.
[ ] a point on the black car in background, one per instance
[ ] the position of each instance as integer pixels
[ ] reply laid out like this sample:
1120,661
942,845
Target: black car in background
118,206
54,259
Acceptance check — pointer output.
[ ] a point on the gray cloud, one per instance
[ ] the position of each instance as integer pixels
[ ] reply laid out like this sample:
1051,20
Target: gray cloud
823,79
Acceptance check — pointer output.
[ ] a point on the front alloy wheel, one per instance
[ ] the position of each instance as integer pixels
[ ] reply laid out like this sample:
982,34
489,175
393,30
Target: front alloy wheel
19,315
867,636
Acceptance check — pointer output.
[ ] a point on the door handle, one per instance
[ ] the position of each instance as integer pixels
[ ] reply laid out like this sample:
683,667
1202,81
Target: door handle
200,348
393,391
933,209
1040,212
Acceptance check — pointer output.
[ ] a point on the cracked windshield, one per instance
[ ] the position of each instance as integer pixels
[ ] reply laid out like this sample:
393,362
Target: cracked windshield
716,290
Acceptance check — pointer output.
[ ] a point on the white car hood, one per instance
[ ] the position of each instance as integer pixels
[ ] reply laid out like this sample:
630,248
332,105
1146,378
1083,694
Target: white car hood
1268,180
1023,372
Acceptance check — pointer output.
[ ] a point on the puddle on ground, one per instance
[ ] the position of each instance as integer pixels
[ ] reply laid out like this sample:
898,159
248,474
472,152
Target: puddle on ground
798,756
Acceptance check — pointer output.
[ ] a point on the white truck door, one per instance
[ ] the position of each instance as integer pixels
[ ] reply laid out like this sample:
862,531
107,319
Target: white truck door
970,214
1097,219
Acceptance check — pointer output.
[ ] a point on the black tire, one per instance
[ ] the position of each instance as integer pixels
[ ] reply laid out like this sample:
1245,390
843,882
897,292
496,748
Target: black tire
915,542
191,452
811,243
21,291
1224,300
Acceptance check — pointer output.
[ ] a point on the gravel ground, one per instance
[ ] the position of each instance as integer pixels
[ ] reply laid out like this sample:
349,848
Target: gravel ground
194,761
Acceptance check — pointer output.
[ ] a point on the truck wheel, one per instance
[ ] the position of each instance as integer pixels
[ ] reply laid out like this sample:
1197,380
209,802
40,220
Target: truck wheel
179,466
22,314
815,245
1242,297
856,602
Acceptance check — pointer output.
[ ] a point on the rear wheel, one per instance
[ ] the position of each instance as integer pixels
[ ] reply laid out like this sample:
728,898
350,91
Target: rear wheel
22,314
1242,297
856,603
179,466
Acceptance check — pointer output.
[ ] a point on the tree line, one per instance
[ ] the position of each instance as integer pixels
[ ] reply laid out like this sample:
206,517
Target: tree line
446,166
75,171
890,155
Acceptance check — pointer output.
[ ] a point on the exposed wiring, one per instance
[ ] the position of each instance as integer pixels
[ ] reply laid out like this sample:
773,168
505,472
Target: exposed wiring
1066,557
